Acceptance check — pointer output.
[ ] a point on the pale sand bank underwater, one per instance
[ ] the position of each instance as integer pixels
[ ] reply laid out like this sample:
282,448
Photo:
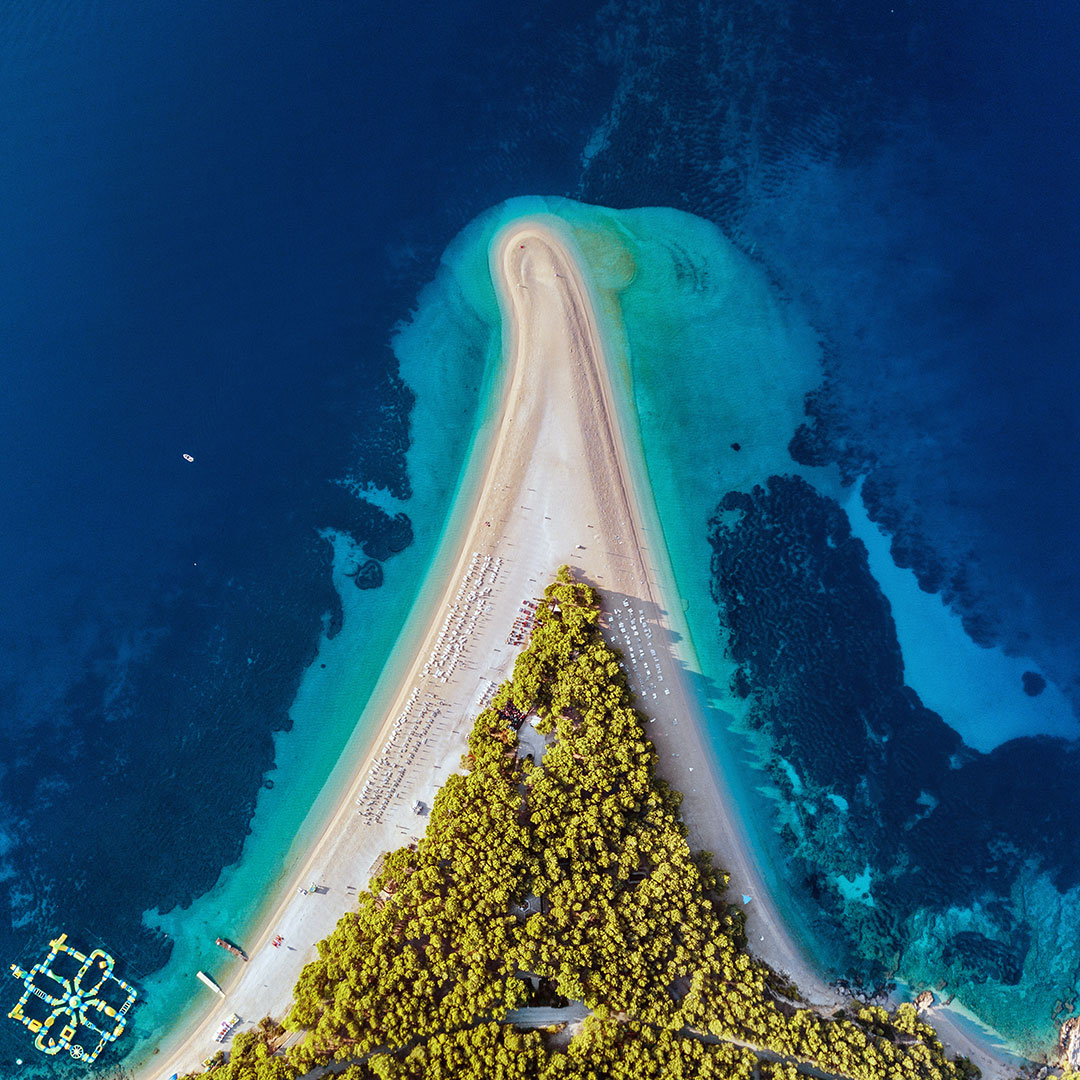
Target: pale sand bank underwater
688,283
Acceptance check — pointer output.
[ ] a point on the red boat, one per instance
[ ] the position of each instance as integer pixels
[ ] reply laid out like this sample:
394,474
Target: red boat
228,946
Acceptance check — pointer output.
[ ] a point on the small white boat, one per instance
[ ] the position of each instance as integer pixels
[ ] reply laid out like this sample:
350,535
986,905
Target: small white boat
188,457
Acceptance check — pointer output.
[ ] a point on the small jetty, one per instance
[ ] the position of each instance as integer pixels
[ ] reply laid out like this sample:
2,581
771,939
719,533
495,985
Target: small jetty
229,947
207,981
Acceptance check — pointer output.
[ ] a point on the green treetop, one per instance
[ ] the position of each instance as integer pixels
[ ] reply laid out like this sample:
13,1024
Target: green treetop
570,879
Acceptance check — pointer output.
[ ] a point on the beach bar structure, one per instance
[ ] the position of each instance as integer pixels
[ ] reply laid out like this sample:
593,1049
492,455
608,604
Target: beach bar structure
78,992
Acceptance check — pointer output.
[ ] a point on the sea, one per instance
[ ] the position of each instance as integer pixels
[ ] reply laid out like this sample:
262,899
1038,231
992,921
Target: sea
247,341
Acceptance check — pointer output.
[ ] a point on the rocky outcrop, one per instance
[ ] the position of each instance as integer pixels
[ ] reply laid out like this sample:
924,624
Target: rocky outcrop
924,1000
1069,1044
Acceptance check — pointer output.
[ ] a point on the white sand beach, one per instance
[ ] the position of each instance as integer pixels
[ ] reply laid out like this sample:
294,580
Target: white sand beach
557,489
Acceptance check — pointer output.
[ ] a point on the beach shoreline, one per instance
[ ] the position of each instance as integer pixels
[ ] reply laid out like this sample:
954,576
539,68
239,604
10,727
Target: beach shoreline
560,480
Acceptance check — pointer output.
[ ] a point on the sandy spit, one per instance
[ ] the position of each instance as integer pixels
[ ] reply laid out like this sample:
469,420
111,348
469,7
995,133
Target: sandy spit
557,488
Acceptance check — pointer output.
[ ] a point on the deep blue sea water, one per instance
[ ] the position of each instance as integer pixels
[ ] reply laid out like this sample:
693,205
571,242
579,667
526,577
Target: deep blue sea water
214,215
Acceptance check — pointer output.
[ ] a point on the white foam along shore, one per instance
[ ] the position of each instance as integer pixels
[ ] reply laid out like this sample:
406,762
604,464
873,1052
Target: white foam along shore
557,487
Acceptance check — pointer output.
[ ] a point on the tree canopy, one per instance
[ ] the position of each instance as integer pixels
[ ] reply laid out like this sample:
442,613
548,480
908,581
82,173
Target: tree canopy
569,879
